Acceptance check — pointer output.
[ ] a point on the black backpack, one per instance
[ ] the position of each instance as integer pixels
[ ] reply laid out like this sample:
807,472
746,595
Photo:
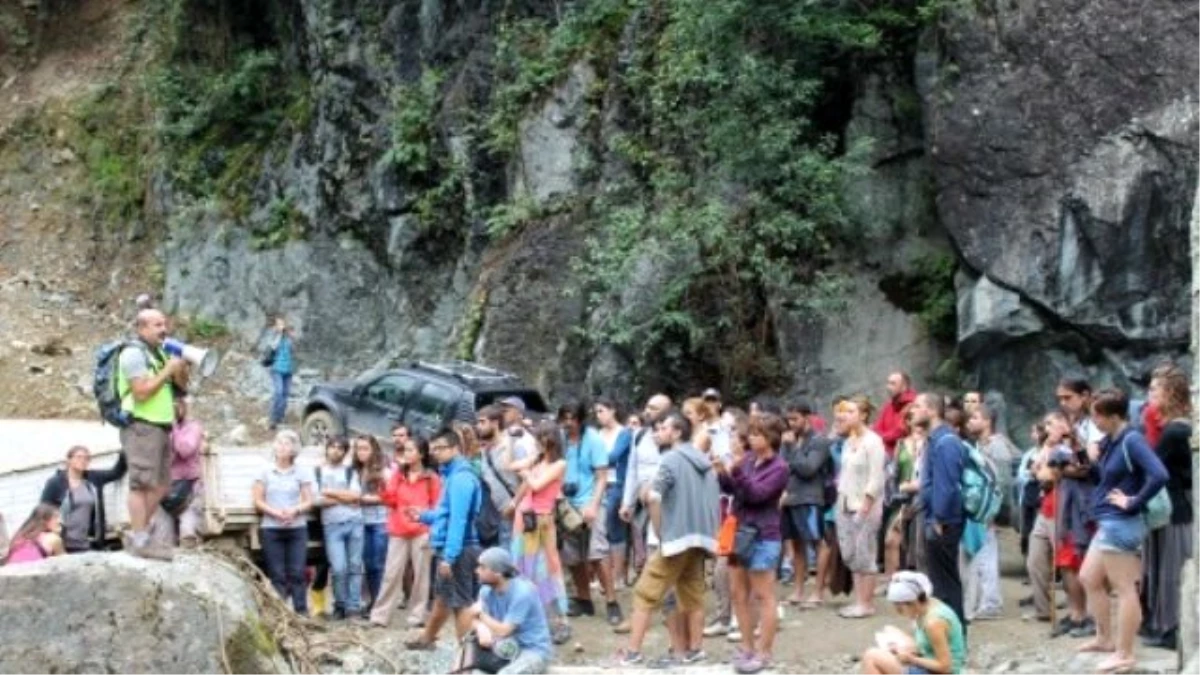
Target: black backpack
104,382
487,518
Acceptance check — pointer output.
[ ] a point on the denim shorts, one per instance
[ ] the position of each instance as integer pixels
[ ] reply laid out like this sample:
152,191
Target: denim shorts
1120,535
765,557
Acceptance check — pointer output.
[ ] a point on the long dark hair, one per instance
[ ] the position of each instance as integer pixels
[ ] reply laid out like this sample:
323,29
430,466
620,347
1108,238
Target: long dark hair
370,473
35,525
549,439
422,450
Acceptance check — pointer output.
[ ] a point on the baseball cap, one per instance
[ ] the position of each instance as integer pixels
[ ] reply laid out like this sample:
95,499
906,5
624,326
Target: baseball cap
513,402
711,393
499,561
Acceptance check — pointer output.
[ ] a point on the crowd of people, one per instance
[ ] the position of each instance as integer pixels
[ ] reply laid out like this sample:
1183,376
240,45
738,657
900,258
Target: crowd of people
511,526
697,497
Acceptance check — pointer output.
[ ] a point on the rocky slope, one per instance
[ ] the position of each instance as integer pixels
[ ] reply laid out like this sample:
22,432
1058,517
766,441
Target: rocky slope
1050,152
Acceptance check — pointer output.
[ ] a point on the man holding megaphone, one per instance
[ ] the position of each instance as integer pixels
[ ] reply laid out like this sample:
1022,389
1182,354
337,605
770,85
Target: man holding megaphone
147,380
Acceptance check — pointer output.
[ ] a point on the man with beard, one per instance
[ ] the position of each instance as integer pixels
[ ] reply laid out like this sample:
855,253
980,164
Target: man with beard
496,456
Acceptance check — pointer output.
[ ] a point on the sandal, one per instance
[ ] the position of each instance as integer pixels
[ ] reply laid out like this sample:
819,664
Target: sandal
855,612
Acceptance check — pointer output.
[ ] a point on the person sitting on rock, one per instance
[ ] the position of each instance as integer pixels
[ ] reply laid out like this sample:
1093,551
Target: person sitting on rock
78,492
938,644
511,634
38,538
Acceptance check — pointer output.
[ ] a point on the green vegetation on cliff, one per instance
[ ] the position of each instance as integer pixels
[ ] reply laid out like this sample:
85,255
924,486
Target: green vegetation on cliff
729,136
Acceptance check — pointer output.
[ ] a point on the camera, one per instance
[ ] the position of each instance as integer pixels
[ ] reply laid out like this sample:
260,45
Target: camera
570,490
529,521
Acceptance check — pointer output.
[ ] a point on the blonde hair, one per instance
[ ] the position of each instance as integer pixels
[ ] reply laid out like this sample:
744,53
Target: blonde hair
701,407
864,406
289,438
1176,394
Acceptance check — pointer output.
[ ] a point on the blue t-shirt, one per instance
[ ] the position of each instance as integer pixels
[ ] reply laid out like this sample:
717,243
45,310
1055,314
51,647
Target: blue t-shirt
520,606
583,459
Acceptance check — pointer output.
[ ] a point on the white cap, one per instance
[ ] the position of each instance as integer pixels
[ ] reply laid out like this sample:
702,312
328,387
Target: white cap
908,586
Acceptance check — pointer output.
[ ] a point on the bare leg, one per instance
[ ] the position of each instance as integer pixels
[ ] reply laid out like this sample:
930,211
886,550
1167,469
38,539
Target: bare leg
604,575
739,587
462,623
1076,595
695,629
1093,577
878,661
762,585
824,572
435,621
1124,572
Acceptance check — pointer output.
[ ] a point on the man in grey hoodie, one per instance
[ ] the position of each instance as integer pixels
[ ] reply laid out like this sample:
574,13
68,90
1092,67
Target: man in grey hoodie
684,511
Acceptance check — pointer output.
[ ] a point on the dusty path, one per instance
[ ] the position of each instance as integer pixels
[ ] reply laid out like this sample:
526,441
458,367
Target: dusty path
818,641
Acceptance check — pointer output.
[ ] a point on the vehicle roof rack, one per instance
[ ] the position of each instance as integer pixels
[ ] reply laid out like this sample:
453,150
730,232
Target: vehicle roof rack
466,371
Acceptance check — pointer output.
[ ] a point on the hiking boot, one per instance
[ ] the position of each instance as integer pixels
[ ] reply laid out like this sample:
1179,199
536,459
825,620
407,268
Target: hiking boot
615,617
153,552
339,614
1026,601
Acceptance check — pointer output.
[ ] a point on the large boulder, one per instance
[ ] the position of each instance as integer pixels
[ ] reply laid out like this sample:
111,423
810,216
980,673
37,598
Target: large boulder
114,613
1064,142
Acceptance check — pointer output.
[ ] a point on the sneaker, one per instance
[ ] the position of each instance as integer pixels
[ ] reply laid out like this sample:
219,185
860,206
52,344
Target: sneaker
626,658
1064,627
988,616
153,552
693,656
715,629
615,617
753,664
1026,601
623,627
579,607
739,655
734,635
1085,628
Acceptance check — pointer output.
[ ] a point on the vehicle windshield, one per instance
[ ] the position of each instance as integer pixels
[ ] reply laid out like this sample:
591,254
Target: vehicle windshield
533,400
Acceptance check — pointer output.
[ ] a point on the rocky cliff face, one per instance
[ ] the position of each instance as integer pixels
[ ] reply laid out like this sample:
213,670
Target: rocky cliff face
1064,145
393,290
1053,150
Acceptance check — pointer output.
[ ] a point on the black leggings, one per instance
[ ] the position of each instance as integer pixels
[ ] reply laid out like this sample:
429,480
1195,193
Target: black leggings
285,550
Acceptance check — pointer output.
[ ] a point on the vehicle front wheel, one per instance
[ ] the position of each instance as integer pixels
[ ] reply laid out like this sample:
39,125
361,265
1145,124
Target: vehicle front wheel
320,426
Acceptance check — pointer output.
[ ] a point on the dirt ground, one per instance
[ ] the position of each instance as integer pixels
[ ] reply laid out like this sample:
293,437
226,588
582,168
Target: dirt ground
818,641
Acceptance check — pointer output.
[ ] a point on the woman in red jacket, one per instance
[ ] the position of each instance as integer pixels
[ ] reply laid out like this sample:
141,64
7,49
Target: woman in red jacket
413,485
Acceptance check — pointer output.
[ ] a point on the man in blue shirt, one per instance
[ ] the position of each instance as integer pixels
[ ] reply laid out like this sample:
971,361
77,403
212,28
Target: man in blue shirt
509,619
453,538
942,501
584,486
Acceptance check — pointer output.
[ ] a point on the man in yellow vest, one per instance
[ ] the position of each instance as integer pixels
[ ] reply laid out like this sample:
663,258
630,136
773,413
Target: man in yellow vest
146,381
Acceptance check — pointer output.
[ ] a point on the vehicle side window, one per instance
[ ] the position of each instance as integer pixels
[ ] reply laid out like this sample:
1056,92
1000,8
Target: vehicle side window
428,408
392,389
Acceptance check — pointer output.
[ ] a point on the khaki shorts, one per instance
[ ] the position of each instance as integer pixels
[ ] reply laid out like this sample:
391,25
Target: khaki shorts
148,452
589,544
683,572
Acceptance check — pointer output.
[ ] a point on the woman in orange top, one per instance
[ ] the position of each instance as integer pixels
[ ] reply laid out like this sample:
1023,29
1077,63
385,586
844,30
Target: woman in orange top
412,485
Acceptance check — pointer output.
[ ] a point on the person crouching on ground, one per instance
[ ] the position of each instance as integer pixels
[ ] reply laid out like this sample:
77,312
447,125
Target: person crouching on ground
185,500
937,645
509,620
38,538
